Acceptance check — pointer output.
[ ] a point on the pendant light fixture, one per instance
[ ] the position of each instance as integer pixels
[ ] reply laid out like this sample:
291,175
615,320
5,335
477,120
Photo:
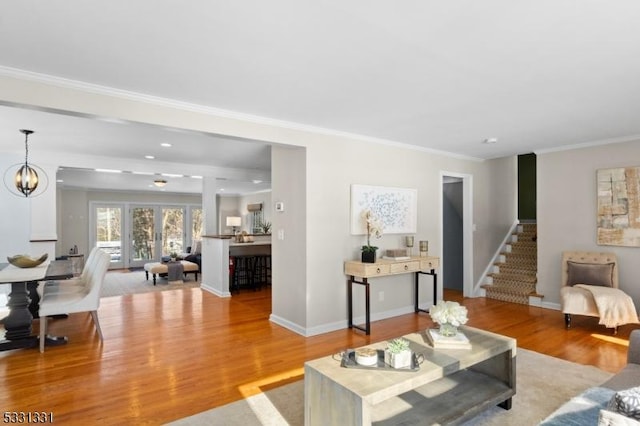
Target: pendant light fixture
160,183
26,178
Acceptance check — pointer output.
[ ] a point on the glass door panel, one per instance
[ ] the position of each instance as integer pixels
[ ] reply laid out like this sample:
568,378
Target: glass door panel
196,223
172,230
143,235
108,232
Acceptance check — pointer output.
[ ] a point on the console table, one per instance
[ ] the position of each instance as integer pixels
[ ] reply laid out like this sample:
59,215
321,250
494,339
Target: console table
383,268
450,386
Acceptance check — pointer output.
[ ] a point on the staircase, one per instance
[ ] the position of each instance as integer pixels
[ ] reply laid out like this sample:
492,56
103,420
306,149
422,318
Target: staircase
514,276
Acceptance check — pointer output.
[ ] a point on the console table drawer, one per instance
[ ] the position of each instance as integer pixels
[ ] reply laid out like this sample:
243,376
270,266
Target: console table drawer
365,270
398,268
429,263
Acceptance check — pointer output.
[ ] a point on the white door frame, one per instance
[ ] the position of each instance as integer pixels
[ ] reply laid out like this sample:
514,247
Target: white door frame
467,229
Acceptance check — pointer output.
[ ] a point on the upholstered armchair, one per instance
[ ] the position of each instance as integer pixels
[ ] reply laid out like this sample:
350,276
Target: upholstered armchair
590,288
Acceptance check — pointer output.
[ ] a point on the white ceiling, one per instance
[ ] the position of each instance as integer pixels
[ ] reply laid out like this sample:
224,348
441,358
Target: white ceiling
437,75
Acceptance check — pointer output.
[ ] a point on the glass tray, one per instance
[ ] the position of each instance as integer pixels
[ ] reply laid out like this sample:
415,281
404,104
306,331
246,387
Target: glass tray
349,361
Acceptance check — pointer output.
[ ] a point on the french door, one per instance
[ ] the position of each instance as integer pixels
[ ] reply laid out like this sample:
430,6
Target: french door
108,230
135,234
156,231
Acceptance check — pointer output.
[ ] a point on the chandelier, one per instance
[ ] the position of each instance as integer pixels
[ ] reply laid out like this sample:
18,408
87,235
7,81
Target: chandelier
26,178
23,179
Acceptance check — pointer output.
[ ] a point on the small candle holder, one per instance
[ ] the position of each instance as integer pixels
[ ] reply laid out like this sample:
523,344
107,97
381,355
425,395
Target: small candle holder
424,248
408,241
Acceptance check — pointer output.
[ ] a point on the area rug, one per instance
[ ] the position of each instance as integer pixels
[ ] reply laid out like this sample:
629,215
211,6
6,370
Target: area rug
543,383
123,282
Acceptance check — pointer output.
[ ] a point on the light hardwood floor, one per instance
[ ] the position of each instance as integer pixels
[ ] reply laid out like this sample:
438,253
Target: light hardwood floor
173,354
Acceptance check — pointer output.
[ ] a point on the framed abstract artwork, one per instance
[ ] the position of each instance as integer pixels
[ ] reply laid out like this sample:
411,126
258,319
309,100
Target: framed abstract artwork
618,192
395,208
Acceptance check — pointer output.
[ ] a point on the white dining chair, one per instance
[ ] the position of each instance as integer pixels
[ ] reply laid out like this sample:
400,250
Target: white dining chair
87,299
74,284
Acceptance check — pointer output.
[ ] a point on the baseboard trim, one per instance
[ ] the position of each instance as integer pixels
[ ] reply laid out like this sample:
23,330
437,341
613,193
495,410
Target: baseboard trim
215,291
340,325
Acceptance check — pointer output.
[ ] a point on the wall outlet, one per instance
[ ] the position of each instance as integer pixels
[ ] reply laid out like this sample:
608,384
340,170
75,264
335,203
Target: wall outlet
381,296
281,234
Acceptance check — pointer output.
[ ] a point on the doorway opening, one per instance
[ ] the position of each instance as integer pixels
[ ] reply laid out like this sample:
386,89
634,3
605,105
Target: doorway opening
457,237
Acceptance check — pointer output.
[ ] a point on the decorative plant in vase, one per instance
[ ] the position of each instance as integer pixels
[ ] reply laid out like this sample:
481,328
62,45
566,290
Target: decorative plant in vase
449,316
266,227
374,227
397,354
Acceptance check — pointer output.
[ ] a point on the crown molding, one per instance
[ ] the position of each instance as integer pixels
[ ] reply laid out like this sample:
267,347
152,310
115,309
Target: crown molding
623,139
207,110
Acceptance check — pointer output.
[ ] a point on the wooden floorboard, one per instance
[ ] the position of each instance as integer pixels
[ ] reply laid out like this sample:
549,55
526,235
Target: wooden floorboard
176,353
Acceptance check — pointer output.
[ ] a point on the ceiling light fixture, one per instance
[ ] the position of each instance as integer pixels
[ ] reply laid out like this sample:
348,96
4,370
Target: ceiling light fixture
160,183
490,141
108,171
149,157
26,176
23,179
165,145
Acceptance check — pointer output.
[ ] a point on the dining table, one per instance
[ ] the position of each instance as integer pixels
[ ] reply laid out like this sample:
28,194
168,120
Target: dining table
23,301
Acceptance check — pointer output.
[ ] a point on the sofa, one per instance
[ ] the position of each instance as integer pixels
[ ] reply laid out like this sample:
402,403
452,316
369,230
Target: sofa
615,402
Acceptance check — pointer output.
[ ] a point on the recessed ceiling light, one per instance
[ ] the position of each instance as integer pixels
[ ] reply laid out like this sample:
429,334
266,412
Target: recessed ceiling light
59,180
165,145
149,157
142,173
490,141
172,175
257,181
108,171
197,177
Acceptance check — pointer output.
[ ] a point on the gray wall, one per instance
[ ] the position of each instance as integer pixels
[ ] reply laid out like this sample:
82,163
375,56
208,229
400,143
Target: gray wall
567,213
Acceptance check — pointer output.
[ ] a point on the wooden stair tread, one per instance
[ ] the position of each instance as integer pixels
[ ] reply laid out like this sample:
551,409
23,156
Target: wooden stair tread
516,277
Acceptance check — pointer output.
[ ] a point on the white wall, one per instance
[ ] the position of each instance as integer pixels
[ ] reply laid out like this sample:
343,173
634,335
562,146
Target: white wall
263,198
315,182
228,205
27,224
289,240
236,205
567,213
333,165
14,216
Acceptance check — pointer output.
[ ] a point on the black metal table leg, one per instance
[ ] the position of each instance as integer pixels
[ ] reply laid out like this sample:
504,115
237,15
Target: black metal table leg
365,283
417,289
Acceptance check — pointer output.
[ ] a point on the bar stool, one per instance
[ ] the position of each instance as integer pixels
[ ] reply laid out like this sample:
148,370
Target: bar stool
243,272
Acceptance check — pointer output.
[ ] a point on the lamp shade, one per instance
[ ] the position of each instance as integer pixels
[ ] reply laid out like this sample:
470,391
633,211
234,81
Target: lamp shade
234,221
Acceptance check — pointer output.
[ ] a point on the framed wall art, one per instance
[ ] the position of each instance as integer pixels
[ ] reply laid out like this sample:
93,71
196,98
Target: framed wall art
618,192
395,208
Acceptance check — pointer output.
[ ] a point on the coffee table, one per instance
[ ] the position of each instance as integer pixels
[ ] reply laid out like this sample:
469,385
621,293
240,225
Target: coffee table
451,385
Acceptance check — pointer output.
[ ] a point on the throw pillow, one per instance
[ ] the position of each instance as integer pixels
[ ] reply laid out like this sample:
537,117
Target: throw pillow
590,273
196,248
626,402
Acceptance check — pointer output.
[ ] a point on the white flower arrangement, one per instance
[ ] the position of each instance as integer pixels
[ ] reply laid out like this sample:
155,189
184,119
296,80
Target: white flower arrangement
374,227
449,313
